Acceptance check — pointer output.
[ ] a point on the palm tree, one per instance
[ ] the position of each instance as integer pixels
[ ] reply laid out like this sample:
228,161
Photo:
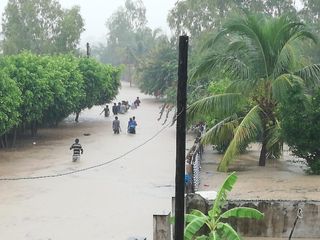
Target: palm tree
260,59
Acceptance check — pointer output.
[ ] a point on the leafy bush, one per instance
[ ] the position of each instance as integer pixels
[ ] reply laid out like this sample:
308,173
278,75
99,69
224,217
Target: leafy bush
301,126
43,90
10,99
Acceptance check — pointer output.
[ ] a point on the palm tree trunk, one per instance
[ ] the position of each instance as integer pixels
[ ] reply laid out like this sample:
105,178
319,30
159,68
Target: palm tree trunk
263,152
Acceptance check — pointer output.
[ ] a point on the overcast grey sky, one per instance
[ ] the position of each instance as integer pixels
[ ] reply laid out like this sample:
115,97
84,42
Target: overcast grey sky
96,13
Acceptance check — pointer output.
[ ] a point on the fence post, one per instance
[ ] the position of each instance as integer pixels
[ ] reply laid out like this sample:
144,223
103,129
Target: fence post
161,227
173,209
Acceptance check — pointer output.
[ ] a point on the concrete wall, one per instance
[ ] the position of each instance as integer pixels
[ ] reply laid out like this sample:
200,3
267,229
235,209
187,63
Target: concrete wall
279,217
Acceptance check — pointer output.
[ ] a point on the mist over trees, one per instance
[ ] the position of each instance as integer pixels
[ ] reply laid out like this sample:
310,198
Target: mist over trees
40,26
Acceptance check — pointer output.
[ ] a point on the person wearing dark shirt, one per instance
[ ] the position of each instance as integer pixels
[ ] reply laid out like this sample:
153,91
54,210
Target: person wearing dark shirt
119,107
132,125
137,102
116,126
77,149
106,111
114,109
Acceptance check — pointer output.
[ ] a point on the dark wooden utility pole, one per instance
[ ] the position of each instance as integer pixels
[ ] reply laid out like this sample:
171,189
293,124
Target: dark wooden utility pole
88,50
181,137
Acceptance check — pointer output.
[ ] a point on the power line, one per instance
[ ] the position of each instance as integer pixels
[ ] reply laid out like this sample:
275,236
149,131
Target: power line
87,168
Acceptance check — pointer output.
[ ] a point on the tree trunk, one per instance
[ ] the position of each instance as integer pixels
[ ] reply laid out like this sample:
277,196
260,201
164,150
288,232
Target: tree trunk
34,129
263,152
14,138
77,117
1,141
5,140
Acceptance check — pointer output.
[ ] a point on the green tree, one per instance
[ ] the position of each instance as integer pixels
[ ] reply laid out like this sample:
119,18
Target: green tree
300,125
101,83
40,26
311,12
260,61
123,27
215,220
193,17
66,84
10,100
157,72
69,30
197,16
28,73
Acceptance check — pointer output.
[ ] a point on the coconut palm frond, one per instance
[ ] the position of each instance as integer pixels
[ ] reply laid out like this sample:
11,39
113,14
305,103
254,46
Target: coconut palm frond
211,40
235,68
222,105
309,35
282,84
285,30
275,141
239,45
247,130
284,61
249,27
228,63
207,64
310,74
222,131
243,87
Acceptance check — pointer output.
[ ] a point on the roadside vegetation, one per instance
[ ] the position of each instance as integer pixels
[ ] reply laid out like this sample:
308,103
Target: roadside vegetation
41,91
244,69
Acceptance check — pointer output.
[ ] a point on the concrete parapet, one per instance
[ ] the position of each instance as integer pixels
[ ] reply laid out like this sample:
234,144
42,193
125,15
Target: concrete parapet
279,217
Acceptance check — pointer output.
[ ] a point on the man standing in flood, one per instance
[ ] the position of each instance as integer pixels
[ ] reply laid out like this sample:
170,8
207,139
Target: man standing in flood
116,126
114,109
77,149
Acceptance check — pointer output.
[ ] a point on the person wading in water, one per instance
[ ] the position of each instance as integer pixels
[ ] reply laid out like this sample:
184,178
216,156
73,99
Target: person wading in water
106,111
77,149
116,126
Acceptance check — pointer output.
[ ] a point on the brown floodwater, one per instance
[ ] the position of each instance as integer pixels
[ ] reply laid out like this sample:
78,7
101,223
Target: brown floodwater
115,201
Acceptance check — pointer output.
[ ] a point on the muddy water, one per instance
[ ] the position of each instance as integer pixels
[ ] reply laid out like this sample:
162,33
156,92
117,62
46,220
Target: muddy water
116,201
280,179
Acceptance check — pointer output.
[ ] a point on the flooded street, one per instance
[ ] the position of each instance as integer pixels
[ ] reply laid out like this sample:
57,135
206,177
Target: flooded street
115,201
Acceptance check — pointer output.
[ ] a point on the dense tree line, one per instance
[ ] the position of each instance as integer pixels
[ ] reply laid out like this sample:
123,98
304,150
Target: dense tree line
40,26
39,91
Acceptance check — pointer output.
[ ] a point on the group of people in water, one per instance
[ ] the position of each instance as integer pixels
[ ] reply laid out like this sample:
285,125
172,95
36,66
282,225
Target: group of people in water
120,108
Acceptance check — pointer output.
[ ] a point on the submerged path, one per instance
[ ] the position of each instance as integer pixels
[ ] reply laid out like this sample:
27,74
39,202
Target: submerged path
115,201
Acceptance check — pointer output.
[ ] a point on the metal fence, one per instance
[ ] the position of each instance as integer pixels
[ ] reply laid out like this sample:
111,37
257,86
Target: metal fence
193,166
